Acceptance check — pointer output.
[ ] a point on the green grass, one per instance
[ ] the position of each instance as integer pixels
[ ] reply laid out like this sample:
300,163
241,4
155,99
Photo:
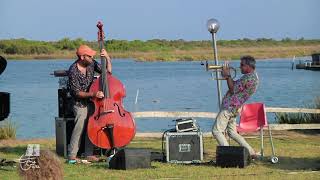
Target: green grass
299,158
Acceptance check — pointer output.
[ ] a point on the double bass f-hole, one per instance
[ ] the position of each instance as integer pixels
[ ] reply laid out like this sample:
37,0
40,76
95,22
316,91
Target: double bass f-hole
119,111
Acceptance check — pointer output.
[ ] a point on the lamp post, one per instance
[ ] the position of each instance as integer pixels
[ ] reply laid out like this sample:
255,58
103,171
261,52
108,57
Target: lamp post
213,27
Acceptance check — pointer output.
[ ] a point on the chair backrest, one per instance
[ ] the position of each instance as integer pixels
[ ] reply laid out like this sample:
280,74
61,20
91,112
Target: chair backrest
252,117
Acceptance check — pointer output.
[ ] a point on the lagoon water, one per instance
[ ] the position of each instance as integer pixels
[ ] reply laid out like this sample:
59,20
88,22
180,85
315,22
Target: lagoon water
163,86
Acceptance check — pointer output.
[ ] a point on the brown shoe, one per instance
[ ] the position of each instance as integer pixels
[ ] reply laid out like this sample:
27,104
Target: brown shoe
256,156
92,159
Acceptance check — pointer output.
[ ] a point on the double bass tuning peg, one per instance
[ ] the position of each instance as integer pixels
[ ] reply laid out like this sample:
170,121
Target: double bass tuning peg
99,25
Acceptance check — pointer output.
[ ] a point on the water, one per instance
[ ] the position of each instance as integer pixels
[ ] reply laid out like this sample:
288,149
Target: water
163,86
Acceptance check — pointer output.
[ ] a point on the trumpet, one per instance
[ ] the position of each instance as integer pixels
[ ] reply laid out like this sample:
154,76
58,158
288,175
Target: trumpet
218,68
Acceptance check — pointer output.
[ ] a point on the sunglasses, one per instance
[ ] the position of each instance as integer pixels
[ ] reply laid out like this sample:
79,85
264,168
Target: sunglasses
89,56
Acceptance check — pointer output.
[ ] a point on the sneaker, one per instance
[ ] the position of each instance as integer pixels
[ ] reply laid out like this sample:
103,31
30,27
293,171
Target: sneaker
73,160
92,159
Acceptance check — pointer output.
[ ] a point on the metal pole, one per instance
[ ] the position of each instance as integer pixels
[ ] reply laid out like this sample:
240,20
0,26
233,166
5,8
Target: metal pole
215,52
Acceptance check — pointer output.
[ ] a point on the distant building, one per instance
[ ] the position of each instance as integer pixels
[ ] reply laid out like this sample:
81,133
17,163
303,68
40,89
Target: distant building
310,65
316,59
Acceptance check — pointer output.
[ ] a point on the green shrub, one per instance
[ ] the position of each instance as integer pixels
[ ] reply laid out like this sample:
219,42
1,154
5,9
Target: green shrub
31,47
23,46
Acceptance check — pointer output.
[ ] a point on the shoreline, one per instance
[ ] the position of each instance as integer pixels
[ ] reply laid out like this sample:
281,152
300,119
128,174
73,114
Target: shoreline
224,53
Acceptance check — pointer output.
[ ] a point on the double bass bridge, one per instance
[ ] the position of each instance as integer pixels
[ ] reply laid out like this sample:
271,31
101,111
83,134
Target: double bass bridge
103,113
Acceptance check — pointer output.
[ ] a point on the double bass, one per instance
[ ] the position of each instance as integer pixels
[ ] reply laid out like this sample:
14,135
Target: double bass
110,126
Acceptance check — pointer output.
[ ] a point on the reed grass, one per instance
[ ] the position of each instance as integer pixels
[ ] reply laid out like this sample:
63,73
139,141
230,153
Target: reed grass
7,130
300,118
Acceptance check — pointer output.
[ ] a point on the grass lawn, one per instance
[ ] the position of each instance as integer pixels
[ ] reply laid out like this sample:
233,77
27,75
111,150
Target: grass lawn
298,152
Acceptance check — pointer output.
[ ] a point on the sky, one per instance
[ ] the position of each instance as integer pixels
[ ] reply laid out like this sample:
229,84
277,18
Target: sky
52,20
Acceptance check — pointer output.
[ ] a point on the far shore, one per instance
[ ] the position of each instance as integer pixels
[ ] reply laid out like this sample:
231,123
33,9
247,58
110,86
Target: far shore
224,53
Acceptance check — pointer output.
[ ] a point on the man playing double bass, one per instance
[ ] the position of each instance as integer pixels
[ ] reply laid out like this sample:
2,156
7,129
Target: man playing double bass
81,76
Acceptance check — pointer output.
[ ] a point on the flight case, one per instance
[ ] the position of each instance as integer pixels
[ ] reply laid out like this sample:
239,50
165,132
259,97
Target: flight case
184,147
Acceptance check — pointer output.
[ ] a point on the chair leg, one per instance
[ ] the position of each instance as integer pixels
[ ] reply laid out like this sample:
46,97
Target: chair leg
274,158
261,139
271,142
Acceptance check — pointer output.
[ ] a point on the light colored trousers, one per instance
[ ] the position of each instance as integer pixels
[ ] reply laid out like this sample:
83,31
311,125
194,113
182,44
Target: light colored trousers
227,121
81,120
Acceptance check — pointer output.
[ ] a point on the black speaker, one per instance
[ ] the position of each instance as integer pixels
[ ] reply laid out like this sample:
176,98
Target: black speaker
3,64
65,104
132,158
232,156
4,105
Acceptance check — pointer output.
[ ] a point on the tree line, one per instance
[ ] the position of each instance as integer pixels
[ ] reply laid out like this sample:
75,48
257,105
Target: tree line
31,47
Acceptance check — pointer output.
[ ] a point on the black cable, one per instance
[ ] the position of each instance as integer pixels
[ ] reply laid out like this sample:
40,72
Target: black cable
162,146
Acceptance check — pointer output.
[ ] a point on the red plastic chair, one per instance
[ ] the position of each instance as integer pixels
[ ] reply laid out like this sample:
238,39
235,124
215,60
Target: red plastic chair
253,118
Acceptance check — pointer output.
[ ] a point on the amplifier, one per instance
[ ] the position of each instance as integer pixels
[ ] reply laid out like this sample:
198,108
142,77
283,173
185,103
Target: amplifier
65,104
131,158
184,147
185,125
232,156
64,128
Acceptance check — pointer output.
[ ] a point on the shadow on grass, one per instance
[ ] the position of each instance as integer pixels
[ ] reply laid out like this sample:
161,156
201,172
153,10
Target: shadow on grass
285,163
289,163
103,165
8,164
154,152
307,131
18,150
